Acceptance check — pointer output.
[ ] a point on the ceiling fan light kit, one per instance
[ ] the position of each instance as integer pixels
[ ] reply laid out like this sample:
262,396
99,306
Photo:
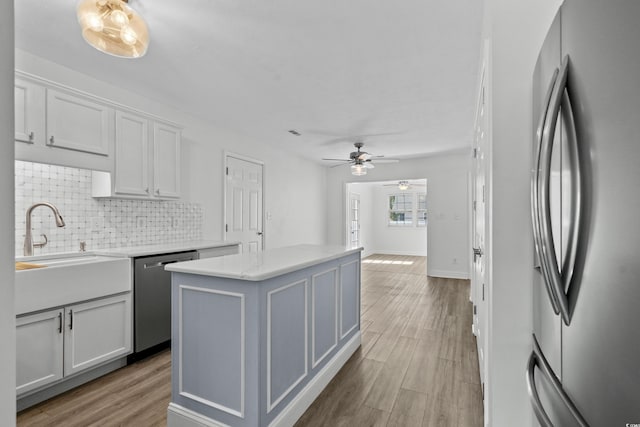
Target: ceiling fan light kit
112,27
358,169
360,161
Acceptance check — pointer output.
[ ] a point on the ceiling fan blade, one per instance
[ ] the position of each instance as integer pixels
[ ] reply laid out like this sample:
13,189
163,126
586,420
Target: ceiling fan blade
341,164
338,160
381,161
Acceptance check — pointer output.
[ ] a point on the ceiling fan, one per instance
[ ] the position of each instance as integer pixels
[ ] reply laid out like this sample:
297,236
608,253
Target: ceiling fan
404,185
360,160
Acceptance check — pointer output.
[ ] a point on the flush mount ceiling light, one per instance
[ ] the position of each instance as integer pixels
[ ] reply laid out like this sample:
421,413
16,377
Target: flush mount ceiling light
112,27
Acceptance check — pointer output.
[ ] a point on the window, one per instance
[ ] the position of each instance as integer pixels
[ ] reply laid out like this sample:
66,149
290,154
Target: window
407,210
401,209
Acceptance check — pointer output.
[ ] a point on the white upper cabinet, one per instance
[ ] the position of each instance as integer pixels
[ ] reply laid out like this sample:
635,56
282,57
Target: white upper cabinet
29,112
166,160
132,155
77,123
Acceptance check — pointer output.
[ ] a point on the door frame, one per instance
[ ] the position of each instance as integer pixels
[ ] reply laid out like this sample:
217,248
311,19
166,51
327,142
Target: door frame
225,157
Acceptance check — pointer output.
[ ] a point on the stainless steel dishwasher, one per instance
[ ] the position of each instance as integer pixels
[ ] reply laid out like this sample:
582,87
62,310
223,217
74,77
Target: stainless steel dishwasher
152,300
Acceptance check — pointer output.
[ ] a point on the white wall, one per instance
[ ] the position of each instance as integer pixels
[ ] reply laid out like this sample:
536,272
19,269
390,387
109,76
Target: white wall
515,31
7,271
395,240
295,189
447,202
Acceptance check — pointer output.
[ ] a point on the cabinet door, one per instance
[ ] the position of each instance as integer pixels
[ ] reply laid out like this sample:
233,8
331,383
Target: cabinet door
77,123
38,350
29,112
96,332
132,154
166,160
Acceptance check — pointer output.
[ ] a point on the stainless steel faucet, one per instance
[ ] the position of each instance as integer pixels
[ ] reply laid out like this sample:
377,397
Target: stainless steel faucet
28,239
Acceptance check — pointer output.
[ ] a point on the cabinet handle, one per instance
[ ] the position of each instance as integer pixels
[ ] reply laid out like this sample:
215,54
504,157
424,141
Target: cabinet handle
51,140
60,322
70,319
31,136
146,190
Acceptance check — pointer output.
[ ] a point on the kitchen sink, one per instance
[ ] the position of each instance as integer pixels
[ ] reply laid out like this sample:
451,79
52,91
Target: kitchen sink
69,278
56,262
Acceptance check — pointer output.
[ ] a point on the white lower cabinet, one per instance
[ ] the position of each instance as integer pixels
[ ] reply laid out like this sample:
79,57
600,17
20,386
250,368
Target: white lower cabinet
39,345
55,344
97,331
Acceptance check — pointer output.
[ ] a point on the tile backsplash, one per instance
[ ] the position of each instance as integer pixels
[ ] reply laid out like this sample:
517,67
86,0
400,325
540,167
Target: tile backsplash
101,223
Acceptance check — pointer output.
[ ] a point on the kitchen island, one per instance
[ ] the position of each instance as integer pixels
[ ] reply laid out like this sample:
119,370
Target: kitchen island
257,336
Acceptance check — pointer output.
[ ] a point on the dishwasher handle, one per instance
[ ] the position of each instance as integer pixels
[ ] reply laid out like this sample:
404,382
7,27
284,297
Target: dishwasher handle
163,263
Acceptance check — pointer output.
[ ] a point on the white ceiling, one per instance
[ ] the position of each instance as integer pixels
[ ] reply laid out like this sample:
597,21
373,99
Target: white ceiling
400,75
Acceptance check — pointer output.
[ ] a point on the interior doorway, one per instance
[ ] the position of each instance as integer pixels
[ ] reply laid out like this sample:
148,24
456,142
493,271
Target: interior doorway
387,217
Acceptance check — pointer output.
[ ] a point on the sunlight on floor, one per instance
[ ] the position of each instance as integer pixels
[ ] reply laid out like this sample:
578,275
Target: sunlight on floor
386,261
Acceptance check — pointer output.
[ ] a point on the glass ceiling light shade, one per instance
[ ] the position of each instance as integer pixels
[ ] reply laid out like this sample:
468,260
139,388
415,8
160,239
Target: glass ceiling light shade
403,185
358,169
112,27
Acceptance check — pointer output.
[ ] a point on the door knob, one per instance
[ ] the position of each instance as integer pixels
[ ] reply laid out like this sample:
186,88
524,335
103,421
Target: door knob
259,233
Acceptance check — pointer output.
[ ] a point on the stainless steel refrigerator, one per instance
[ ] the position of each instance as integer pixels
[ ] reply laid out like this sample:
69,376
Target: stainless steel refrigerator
585,200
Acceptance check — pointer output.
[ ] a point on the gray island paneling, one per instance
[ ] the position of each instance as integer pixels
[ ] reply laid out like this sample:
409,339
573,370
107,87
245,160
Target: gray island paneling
256,337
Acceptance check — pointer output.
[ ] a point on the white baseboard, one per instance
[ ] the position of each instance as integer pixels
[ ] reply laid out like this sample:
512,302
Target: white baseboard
179,416
312,390
448,274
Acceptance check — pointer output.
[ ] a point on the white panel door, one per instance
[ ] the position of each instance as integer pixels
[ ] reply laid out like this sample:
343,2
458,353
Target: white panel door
132,154
39,341
29,104
354,220
166,160
243,204
77,123
479,285
96,332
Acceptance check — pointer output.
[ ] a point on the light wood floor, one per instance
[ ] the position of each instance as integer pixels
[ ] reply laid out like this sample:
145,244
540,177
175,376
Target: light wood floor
417,365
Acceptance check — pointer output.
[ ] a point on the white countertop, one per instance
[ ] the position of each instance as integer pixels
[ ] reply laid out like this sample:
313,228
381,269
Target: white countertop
257,266
163,248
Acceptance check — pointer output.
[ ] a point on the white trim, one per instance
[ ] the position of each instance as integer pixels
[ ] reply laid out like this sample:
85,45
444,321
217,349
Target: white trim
447,274
344,334
272,404
242,350
179,416
315,362
226,155
294,410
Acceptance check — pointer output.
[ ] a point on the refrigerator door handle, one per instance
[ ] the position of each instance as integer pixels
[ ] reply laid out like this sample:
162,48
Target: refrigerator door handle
538,359
559,279
535,208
